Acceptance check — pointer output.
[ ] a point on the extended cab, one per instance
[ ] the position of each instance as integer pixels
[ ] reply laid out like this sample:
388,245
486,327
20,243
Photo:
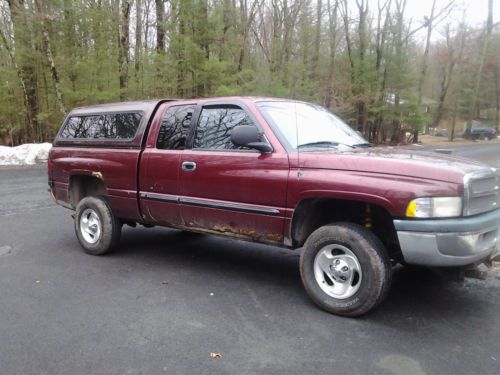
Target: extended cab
275,171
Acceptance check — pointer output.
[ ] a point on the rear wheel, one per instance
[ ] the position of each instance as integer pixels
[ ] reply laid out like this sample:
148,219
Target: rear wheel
97,230
345,269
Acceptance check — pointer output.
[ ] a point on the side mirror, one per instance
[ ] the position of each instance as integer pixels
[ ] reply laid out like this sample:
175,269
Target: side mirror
249,136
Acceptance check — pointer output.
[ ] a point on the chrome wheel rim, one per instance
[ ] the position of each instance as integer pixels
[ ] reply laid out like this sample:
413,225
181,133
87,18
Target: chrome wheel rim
337,271
90,226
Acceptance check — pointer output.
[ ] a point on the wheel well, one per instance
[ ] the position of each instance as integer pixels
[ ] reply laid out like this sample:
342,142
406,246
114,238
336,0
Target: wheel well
312,214
85,186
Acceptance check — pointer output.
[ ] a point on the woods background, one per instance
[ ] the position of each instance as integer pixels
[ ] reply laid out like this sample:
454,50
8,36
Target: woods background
383,71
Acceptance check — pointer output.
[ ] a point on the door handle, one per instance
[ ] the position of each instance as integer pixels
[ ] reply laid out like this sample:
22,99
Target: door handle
188,166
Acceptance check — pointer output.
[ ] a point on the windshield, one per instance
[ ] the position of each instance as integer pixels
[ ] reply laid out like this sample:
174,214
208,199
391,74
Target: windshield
306,125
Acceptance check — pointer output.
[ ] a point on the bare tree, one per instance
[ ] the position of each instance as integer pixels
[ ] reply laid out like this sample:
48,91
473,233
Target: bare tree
482,57
247,18
497,97
332,28
47,49
20,75
138,40
317,38
452,56
381,70
430,22
160,26
124,43
27,69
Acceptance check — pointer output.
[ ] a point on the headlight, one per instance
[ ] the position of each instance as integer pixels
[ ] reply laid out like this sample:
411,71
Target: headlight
435,207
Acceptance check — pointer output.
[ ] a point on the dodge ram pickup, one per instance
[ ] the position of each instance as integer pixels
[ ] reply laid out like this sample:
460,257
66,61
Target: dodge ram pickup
275,171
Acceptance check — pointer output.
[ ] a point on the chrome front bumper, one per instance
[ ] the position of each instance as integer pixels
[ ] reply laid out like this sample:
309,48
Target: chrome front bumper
450,242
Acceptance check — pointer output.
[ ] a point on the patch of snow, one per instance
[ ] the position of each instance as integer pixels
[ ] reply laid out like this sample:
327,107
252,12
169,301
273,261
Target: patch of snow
27,154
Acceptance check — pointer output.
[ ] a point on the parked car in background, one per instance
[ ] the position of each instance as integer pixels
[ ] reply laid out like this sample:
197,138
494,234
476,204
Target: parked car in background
483,133
441,132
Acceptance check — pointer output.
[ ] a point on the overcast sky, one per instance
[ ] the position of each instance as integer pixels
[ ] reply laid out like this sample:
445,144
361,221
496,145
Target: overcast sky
476,12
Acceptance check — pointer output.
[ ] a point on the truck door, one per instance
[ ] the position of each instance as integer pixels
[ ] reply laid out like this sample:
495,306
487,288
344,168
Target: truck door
227,189
160,164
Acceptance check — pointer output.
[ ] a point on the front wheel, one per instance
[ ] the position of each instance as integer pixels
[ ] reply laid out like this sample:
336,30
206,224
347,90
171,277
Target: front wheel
97,229
345,269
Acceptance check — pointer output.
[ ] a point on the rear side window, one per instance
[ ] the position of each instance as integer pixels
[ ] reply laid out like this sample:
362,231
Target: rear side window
105,126
81,127
174,127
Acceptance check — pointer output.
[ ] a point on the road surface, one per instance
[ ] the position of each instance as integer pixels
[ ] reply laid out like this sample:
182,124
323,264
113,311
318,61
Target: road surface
167,300
488,153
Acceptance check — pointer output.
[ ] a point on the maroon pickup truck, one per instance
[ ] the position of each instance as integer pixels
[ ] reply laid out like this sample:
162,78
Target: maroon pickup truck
275,171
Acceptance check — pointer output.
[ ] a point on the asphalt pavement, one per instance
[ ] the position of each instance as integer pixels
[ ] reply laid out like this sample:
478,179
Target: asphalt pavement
170,302
487,152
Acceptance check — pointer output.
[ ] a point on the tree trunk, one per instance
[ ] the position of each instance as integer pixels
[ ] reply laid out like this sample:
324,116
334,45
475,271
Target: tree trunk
442,97
138,43
399,44
124,39
423,72
203,88
147,7
160,26
227,21
381,74
47,49
70,42
244,27
20,75
473,103
448,74
454,122
290,19
497,102
345,17
24,52
205,42
246,20
361,72
181,71
332,25
317,39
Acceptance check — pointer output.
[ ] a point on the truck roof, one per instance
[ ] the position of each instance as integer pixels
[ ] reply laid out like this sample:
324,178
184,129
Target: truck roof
139,105
149,105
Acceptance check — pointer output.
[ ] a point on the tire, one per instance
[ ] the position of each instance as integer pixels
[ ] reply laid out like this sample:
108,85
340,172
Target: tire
96,228
345,269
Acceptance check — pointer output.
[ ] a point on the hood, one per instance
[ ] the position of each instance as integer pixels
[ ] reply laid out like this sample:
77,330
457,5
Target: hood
420,164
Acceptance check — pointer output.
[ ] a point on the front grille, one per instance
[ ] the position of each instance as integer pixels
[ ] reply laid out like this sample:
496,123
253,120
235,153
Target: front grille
481,191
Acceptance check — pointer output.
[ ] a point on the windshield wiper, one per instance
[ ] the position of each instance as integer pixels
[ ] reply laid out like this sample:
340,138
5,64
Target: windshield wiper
366,144
320,144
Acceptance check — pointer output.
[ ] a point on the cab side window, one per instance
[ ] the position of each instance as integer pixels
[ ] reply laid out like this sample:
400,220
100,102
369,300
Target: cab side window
174,127
214,127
